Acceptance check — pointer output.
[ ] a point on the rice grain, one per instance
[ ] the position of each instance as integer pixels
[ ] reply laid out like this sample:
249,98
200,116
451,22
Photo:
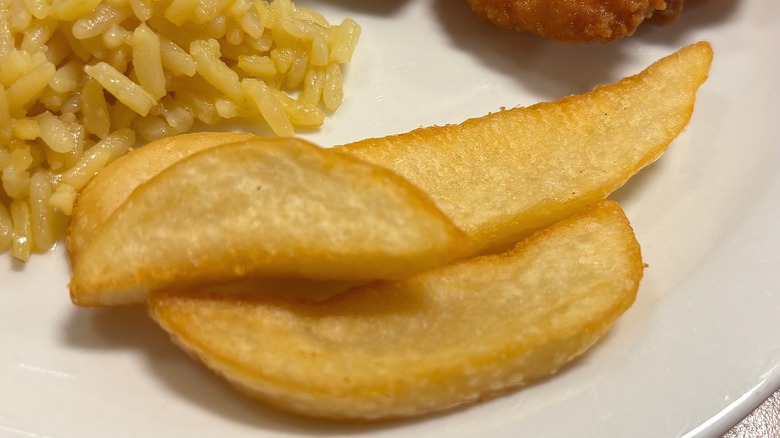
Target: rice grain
83,80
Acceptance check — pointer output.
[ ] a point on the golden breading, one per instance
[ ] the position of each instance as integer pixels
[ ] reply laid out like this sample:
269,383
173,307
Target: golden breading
577,21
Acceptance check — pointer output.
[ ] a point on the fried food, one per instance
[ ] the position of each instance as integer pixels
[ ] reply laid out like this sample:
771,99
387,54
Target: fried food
501,176
436,340
440,330
443,338
82,80
498,177
258,209
112,185
577,21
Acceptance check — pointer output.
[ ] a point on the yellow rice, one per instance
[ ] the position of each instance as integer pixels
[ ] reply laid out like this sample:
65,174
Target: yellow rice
82,81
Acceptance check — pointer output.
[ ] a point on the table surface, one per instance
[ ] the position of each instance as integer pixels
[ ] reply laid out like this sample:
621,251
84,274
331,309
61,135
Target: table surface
763,422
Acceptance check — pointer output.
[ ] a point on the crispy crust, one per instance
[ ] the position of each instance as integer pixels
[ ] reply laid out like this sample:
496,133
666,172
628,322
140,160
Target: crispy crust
503,175
444,338
577,21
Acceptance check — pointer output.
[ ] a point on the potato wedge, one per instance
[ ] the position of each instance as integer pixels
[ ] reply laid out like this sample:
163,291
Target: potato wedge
501,176
449,336
113,184
498,177
258,209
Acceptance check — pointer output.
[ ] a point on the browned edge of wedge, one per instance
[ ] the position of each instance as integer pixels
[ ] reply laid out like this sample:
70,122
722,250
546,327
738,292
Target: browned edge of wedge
415,346
114,184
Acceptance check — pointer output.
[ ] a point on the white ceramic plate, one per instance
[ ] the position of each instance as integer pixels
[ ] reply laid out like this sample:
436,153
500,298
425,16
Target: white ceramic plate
699,349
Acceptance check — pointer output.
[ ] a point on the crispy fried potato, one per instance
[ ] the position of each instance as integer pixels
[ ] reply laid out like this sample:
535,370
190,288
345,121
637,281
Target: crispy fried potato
258,209
498,177
113,184
446,337
501,176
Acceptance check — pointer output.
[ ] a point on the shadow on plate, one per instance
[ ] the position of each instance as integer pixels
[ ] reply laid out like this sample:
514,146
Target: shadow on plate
697,14
554,70
130,328
379,8
632,190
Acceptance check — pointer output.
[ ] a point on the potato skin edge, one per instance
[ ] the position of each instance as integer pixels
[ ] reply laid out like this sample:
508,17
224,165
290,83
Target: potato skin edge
238,374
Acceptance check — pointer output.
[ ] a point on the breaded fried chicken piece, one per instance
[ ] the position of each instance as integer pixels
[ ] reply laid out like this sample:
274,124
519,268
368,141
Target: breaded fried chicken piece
577,21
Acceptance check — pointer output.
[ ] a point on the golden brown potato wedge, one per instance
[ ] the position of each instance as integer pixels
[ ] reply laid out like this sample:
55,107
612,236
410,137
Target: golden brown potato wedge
442,338
258,209
113,184
501,176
